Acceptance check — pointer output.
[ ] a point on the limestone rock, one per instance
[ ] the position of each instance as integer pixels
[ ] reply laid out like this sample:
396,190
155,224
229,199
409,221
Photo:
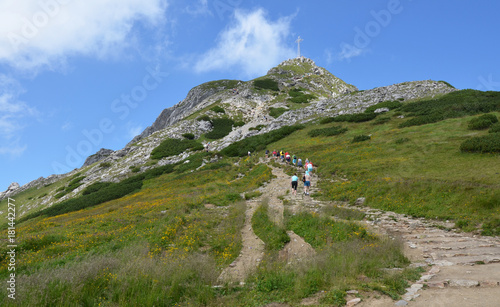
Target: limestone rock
98,156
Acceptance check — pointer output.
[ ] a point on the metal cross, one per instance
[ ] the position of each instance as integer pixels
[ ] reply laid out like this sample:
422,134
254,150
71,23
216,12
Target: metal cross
298,42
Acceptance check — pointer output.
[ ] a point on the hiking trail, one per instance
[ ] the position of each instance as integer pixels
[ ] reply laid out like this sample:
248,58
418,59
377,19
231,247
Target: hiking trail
462,269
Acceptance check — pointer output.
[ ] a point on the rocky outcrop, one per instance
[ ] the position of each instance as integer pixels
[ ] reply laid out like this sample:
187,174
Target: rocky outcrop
179,111
98,156
14,188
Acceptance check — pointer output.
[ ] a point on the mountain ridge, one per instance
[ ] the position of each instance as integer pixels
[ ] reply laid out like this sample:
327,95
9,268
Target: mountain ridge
244,101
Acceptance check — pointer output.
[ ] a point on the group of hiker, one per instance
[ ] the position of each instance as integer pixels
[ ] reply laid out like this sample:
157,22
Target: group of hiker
286,157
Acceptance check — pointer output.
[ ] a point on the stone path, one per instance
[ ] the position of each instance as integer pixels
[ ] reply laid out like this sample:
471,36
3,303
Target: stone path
461,269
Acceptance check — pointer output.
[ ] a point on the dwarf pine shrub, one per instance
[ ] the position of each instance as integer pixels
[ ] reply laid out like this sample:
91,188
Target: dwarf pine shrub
221,128
483,144
482,122
267,84
172,147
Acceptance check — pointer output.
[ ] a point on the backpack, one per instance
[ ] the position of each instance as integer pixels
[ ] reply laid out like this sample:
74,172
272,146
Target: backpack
304,178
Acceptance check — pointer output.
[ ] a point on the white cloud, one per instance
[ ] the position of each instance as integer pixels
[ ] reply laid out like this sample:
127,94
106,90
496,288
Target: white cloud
349,51
44,33
12,113
199,9
253,44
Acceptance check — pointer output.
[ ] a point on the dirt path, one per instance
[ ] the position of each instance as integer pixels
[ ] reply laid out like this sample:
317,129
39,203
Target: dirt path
252,251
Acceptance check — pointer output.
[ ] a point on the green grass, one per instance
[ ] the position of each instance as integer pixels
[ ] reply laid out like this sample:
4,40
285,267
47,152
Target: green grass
274,236
415,170
453,105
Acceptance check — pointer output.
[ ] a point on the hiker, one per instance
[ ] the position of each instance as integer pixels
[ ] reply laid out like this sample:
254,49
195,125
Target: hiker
275,155
282,155
307,183
287,157
299,163
249,153
294,160
294,183
267,153
310,167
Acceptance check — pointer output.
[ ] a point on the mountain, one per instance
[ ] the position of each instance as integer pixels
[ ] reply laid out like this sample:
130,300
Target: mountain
184,216
266,107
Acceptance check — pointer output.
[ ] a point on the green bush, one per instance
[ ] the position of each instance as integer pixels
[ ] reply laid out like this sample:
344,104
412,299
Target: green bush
391,105
172,147
277,112
305,98
239,123
218,109
482,122
188,136
494,128
456,104
296,92
135,169
95,187
204,118
484,144
258,142
221,128
336,130
105,164
353,118
267,84
327,120
360,138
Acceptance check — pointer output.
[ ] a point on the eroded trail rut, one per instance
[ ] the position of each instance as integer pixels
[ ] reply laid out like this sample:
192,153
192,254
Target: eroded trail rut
253,248
461,269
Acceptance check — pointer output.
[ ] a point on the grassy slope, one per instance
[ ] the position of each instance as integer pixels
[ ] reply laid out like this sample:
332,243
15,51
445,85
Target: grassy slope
163,239
425,176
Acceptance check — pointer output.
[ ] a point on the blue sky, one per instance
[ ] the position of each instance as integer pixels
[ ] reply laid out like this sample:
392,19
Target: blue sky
77,76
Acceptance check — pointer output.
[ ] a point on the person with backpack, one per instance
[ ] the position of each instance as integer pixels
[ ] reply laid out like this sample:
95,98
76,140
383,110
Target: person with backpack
307,183
294,182
299,163
287,157
294,160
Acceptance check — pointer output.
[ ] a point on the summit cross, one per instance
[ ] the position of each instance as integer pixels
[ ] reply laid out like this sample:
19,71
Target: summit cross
298,41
